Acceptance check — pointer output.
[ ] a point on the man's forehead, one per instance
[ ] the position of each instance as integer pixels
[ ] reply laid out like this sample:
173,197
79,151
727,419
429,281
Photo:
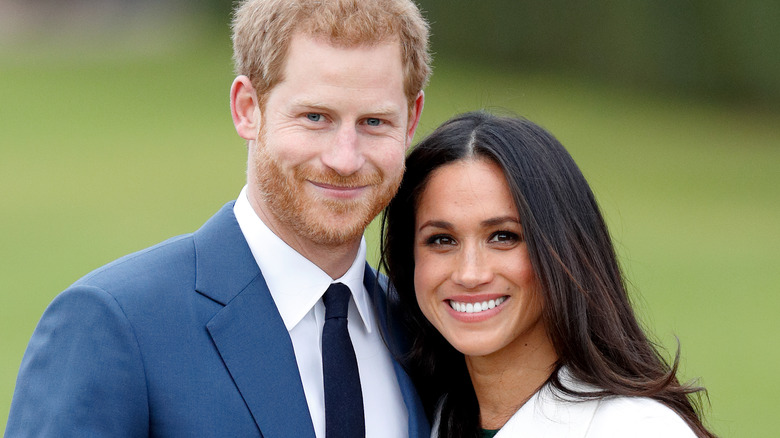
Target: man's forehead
346,41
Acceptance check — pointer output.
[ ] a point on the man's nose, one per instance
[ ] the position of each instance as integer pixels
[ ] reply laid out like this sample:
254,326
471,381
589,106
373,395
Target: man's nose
344,154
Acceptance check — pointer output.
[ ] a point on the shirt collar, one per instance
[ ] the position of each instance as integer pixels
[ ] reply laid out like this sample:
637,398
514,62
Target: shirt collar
296,284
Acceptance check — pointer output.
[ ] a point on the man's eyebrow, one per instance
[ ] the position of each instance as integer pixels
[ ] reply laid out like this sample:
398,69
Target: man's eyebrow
381,110
308,104
386,110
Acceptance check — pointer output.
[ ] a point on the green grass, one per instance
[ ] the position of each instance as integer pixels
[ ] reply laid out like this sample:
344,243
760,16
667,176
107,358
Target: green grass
103,152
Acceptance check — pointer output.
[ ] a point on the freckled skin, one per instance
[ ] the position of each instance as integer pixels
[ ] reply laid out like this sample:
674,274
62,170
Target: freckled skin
468,245
468,242
327,152
339,118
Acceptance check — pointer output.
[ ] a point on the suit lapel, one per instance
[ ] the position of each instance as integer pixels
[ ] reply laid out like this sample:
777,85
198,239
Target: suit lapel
394,339
550,413
249,332
255,346
253,342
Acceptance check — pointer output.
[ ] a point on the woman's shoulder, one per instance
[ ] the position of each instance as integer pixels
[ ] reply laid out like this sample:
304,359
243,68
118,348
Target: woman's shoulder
619,416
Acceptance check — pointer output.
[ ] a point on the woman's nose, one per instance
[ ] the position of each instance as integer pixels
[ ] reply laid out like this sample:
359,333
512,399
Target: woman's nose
473,268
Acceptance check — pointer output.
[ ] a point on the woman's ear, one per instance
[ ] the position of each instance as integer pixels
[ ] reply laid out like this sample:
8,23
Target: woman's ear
244,108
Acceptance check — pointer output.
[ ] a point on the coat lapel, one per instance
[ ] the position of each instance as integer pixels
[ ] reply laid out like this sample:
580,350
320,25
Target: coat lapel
249,332
550,413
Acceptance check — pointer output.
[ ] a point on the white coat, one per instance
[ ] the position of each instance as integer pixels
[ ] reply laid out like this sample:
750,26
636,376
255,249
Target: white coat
550,414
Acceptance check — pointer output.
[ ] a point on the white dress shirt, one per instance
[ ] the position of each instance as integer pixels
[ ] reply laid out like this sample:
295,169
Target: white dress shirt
297,286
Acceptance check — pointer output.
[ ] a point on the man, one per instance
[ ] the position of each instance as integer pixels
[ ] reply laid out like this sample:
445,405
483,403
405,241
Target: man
218,333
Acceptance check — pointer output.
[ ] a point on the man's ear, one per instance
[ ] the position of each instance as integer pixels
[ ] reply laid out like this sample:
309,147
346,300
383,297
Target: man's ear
244,108
414,117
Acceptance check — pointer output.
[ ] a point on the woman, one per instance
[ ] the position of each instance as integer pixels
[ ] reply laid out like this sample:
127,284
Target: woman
520,318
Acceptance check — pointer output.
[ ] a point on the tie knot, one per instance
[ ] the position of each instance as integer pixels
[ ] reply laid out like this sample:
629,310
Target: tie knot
336,301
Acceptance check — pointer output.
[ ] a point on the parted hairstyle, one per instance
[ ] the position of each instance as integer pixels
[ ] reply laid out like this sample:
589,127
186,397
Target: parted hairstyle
262,30
586,308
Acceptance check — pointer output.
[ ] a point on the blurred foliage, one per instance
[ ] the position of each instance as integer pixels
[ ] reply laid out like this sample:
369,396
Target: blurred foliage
717,49
219,10
113,141
108,146
712,48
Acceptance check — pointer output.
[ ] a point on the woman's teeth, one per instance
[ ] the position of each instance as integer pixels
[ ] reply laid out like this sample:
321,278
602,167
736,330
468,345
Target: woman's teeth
475,307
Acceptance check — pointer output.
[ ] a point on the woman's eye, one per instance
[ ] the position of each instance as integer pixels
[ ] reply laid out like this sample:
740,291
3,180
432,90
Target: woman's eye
504,236
373,122
440,240
314,117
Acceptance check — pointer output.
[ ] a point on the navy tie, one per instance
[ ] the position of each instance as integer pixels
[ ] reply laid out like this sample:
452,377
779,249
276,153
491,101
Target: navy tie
343,396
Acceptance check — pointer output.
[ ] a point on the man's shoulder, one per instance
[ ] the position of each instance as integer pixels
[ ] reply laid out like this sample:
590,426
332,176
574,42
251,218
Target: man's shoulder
381,279
172,260
165,259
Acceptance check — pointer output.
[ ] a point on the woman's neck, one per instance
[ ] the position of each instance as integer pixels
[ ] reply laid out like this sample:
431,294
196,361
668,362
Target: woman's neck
503,381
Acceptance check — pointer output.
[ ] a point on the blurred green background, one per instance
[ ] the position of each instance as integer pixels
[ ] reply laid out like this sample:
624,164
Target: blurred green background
115,133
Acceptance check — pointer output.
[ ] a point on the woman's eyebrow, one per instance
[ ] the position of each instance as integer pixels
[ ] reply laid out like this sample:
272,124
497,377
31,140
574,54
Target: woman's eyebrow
500,220
435,224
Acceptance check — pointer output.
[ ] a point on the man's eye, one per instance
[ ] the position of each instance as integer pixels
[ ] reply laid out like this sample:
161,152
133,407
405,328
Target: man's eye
314,117
373,122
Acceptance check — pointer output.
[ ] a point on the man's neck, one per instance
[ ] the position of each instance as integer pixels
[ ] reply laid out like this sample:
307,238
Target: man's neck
335,260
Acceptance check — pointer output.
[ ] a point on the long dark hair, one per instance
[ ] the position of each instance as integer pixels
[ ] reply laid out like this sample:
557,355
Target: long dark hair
586,307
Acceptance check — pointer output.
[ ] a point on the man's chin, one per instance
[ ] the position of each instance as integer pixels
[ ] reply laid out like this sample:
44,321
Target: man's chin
337,233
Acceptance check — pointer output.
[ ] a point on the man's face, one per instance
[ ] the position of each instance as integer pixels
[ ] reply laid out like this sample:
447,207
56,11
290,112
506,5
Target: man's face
330,152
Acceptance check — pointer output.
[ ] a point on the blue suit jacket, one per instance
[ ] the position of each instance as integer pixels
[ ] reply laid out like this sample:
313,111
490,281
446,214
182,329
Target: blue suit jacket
182,339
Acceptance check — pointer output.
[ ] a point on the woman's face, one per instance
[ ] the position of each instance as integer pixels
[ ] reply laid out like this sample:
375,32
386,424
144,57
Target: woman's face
473,279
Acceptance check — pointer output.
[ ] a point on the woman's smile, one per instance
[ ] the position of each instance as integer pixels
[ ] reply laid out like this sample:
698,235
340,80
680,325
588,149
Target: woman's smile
473,277
475,306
